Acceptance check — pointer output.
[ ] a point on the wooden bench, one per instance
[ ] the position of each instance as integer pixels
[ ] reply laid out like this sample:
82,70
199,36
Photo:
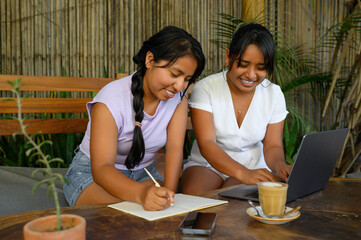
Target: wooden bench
50,105
47,105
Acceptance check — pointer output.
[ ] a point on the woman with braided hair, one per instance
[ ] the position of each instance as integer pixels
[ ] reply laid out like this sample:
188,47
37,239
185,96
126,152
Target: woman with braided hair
131,119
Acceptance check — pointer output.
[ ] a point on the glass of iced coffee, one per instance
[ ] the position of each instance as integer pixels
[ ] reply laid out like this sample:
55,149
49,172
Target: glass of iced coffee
272,196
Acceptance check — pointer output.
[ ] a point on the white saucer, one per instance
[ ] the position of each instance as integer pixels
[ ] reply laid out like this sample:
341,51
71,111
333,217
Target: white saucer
252,213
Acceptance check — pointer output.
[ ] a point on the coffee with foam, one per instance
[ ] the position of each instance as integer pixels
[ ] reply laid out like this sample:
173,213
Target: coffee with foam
272,196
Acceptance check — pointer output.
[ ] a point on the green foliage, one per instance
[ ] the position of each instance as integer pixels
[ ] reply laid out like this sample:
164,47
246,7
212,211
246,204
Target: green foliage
294,124
121,70
105,73
12,150
63,72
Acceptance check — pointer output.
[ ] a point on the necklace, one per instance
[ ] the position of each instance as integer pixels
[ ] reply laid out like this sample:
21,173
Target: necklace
249,103
250,99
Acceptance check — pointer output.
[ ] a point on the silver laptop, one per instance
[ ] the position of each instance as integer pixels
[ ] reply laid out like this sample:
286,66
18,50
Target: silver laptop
313,166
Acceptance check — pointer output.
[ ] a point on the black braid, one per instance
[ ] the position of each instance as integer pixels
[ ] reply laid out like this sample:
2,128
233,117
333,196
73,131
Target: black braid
137,150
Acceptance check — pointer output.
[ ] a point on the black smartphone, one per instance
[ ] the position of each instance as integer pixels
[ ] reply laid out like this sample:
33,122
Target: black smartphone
202,223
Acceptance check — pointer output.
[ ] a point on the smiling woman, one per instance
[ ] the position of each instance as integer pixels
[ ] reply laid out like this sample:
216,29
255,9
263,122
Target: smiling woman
170,78
237,116
131,119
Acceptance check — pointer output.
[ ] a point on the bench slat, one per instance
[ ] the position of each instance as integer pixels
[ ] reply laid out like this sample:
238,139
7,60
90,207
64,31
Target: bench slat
46,105
77,125
66,84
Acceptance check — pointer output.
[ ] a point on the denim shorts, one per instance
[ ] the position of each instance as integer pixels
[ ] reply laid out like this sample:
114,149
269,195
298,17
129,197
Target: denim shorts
79,176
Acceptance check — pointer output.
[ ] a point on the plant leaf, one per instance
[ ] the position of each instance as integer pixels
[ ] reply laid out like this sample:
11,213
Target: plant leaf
38,184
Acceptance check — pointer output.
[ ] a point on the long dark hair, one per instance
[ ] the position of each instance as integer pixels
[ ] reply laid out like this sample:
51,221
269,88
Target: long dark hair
253,34
169,44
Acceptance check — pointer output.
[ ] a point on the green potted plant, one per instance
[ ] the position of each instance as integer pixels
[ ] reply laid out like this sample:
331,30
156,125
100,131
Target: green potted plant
58,226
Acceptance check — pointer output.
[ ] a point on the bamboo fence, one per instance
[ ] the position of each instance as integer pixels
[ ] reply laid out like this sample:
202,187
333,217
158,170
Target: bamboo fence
89,37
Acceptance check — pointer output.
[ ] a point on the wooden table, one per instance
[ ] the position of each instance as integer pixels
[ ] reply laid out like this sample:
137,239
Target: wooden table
334,213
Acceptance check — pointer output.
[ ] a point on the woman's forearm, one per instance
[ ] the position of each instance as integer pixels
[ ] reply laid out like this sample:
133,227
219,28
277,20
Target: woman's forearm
172,168
274,157
125,189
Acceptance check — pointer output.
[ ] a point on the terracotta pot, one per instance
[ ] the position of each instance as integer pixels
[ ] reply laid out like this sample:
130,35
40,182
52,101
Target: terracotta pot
42,228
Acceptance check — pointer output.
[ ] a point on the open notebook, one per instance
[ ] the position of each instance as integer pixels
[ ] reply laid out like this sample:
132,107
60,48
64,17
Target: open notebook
182,204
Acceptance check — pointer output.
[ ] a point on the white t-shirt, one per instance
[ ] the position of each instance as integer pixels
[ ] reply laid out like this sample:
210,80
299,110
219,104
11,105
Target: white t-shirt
243,144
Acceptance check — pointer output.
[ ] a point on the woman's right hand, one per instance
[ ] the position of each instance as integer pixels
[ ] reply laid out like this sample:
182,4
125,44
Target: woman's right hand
156,198
254,176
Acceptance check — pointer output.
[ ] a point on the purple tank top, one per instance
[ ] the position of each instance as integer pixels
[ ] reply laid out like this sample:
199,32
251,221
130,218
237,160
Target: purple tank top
118,97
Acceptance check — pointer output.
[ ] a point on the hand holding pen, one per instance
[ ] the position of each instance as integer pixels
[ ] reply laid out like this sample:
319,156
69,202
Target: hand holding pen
170,197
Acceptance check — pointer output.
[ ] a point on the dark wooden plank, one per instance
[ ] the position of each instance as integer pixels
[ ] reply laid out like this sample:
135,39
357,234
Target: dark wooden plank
46,105
46,83
77,125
